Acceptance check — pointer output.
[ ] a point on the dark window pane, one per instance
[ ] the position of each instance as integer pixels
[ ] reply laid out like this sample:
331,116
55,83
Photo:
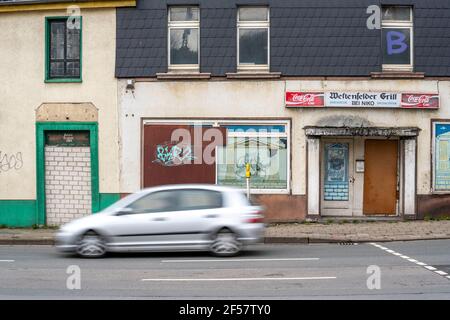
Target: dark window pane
73,69
253,46
253,14
184,14
57,38
64,55
396,13
73,43
57,69
184,46
396,46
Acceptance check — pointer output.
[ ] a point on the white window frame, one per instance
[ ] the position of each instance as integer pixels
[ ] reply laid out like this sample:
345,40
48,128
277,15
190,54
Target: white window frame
253,25
215,123
400,24
183,25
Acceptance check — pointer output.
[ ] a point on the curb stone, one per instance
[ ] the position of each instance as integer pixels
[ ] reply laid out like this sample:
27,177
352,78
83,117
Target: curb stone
267,240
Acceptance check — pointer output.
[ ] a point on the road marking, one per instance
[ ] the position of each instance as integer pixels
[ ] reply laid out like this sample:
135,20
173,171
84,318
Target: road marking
431,268
442,273
240,279
237,260
7,260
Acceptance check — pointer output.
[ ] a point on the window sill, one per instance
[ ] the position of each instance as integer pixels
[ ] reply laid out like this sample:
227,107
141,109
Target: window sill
183,76
63,80
397,75
254,75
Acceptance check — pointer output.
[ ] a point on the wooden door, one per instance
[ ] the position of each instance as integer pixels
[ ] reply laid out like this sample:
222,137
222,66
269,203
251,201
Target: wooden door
380,177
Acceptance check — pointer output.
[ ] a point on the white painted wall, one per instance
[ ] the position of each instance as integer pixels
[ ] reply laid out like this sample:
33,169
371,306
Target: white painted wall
22,90
262,99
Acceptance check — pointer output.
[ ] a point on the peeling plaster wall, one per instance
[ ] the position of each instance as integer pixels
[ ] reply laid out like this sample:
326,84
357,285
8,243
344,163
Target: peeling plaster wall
265,99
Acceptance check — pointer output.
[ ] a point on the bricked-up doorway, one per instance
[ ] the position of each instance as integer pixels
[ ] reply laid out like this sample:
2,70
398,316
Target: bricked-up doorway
44,127
68,191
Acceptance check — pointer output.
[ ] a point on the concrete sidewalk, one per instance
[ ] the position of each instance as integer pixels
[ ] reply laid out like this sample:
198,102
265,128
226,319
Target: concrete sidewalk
293,232
358,232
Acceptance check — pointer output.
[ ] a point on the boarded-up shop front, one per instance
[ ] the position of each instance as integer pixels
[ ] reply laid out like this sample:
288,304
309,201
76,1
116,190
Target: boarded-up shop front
216,152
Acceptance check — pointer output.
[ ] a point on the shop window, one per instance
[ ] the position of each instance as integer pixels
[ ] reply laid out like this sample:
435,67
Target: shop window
253,38
441,157
397,38
184,38
265,148
63,49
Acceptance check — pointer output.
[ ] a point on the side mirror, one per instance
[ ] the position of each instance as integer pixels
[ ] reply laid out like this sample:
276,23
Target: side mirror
123,211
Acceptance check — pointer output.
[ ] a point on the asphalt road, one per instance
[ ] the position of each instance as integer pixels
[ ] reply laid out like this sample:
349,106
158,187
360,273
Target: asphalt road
408,270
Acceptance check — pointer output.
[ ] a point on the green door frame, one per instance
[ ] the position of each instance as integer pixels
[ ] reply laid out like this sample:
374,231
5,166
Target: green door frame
41,128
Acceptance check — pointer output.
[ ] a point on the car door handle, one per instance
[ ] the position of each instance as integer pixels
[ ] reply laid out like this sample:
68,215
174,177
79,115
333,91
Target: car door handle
211,216
159,219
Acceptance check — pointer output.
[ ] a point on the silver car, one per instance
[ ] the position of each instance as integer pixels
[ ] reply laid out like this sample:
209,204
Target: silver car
168,218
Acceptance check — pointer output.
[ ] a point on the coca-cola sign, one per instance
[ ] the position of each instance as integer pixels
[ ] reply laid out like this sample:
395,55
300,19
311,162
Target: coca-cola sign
414,100
367,100
304,99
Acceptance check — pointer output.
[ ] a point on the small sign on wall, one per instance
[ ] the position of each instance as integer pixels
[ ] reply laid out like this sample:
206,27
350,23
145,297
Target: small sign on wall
67,138
359,166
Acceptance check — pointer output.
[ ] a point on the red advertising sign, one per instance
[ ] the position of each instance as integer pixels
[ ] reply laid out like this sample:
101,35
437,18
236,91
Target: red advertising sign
362,100
304,99
418,101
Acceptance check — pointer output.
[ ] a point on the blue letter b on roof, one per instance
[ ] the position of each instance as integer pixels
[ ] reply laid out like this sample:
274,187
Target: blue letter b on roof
395,42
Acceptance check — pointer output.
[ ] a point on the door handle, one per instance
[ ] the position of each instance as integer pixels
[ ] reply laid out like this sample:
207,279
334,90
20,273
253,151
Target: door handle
159,219
211,216
351,180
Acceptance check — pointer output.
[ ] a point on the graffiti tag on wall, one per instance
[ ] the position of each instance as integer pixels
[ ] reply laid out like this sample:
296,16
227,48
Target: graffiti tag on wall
169,154
10,162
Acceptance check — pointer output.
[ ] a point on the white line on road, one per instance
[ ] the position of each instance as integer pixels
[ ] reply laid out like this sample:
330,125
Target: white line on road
431,268
442,273
7,260
237,260
242,279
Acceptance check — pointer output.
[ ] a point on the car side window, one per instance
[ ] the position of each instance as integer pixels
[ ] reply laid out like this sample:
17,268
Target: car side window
159,201
194,199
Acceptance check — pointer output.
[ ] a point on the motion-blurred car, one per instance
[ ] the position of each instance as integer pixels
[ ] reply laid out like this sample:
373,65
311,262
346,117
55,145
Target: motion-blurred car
168,218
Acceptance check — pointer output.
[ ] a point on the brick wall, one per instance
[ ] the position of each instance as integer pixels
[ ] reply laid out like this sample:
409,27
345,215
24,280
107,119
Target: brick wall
67,183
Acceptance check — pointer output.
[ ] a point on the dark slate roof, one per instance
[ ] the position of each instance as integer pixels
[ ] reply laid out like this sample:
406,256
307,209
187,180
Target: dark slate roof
308,37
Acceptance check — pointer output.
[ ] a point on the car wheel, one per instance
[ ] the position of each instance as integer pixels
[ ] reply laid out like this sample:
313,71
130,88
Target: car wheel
225,244
91,245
